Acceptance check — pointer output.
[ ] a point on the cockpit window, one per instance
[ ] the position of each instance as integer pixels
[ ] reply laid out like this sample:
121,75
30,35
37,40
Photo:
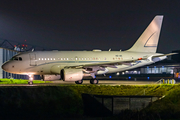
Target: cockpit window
20,59
16,58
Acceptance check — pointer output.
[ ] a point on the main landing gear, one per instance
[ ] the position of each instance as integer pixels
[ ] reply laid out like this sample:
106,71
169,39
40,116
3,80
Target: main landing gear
79,82
30,82
94,81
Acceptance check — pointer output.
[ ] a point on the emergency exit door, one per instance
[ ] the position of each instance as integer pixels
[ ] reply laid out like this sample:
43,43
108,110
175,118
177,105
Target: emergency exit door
32,59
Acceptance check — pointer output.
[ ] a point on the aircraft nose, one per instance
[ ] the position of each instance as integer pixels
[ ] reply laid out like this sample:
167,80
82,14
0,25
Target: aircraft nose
4,67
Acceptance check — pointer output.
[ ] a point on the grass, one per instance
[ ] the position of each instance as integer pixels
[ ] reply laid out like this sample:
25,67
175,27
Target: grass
66,100
20,81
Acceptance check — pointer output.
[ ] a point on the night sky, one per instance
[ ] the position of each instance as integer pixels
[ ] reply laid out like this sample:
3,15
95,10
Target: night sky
88,24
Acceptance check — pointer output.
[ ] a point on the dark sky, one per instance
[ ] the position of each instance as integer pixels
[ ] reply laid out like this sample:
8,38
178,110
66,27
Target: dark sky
88,24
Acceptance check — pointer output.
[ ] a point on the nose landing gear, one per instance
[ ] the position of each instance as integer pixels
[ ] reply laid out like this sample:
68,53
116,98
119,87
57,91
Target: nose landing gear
30,82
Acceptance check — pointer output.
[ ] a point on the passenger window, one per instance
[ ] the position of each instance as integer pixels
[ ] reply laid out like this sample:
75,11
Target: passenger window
20,59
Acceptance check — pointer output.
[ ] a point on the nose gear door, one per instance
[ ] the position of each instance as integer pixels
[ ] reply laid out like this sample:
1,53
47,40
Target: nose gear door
32,59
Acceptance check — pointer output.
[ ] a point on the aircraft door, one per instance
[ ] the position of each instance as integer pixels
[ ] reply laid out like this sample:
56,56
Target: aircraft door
32,59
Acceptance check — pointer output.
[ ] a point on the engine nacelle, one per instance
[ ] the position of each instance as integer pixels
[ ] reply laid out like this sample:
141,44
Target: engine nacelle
50,77
71,74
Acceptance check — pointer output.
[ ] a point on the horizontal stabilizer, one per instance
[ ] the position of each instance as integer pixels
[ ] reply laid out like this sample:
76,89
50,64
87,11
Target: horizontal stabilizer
165,55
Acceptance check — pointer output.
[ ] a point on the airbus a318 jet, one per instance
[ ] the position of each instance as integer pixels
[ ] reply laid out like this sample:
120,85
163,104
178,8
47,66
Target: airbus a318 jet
73,65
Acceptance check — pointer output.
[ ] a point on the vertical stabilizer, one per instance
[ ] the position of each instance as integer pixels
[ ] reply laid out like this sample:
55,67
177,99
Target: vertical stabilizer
148,41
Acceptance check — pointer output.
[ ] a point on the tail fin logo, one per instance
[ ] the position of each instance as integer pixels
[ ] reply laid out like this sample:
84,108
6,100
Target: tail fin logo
150,42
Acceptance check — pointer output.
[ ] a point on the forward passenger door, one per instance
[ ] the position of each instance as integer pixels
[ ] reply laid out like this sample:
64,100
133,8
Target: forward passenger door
32,59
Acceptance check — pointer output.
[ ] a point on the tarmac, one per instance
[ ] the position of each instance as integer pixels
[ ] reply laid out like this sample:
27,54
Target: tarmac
101,82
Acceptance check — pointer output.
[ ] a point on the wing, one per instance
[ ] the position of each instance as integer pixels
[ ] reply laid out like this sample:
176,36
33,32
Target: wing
105,64
118,62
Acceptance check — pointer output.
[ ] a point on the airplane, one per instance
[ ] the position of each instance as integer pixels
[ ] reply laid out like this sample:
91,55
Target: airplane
73,65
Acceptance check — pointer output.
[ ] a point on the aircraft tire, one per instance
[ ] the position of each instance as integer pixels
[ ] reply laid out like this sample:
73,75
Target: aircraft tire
94,81
91,81
79,82
30,82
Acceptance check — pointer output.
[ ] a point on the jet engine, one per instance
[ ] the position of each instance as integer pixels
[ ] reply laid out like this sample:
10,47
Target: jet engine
71,74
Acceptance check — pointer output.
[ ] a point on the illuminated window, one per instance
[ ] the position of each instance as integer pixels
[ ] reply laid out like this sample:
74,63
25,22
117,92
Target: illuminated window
42,58
64,58
51,58
39,58
79,58
54,59
67,58
48,58
45,59
82,58
61,58
76,58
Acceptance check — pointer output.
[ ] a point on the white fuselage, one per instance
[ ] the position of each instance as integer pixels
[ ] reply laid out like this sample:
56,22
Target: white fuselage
52,62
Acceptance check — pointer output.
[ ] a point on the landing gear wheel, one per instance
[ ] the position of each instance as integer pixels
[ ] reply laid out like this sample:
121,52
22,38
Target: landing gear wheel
30,82
94,81
79,82
91,81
